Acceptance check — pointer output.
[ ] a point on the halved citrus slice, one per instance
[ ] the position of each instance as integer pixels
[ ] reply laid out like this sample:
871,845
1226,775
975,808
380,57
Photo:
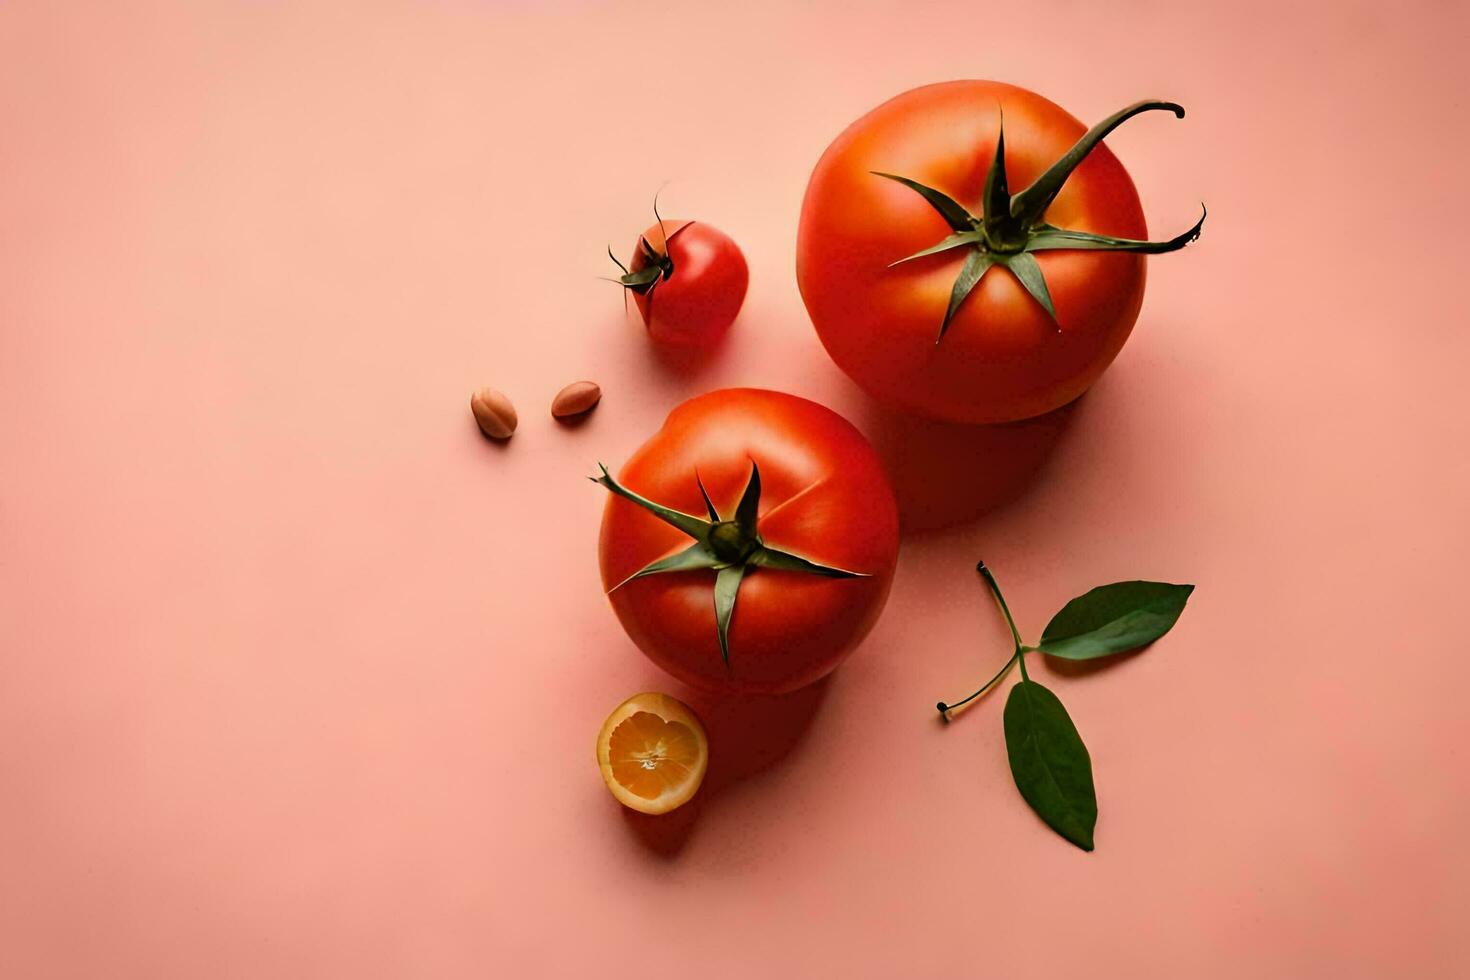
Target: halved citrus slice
653,753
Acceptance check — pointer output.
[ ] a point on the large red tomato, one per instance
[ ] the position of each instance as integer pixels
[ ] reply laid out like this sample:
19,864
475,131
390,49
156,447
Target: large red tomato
749,544
940,291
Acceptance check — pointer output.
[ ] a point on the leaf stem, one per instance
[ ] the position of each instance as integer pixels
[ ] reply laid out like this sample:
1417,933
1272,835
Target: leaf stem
1001,599
1018,655
943,707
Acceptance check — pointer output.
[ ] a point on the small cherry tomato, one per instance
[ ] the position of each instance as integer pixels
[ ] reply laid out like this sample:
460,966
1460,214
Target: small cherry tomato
688,279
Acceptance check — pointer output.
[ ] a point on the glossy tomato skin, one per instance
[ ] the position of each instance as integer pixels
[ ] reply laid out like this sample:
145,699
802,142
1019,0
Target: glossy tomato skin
1003,358
825,497
696,305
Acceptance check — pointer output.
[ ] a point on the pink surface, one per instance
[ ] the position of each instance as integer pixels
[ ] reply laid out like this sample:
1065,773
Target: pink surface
299,675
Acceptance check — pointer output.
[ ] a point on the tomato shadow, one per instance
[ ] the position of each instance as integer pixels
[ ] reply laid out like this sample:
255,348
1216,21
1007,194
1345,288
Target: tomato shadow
946,473
686,360
748,735
626,331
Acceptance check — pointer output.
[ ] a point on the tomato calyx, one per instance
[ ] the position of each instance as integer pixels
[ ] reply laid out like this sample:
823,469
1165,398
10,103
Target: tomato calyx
1011,226
730,548
731,543
658,265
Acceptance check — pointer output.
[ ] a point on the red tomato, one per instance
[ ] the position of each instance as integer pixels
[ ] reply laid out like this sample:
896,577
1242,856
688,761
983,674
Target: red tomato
810,557
1002,355
690,288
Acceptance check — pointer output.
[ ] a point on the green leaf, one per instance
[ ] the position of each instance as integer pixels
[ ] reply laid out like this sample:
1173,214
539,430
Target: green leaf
953,241
1030,204
616,260
688,523
997,192
750,502
649,252
787,562
696,556
1113,619
724,547
970,274
1049,762
709,505
1028,273
949,209
660,218
1047,237
643,280
727,586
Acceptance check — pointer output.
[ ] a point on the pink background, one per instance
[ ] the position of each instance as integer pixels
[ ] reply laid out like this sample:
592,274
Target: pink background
299,675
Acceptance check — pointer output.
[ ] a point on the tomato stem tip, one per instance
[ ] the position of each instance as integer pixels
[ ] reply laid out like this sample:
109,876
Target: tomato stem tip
1011,226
